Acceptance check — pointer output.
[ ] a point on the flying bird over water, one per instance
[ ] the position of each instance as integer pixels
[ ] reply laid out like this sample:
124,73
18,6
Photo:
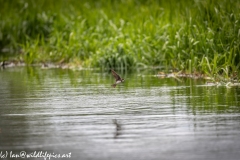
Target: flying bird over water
117,77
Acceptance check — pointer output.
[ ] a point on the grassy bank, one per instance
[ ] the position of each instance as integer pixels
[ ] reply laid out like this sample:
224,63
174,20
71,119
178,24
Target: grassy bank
193,36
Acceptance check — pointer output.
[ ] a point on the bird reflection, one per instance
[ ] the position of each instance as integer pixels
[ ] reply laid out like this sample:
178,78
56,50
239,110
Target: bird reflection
117,129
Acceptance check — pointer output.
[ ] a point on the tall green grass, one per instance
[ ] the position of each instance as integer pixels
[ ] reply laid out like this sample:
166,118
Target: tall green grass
191,36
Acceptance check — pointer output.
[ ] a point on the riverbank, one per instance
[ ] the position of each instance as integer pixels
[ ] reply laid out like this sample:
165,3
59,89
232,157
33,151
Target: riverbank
190,37
216,80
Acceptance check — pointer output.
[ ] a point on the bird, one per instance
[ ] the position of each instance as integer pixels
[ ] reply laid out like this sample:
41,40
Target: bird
117,77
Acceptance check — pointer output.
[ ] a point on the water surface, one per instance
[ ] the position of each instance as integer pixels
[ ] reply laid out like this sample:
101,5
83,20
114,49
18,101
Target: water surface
65,111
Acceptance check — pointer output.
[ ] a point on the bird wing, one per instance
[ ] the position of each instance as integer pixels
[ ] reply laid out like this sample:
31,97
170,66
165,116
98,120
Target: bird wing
116,76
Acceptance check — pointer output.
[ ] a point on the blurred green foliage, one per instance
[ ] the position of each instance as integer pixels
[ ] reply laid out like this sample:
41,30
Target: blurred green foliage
192,36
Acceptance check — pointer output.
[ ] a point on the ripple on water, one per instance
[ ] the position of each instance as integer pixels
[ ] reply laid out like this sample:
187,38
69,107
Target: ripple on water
158,118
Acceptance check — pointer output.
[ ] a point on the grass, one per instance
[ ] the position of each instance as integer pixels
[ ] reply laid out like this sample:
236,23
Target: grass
190,36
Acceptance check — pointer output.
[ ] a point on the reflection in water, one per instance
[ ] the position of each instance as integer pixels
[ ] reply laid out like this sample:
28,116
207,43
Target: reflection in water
118,128
144,118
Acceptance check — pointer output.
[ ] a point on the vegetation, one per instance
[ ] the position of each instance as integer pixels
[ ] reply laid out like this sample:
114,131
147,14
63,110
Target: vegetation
195,36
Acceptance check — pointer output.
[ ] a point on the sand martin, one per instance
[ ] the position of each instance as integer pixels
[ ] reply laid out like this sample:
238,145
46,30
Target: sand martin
117,77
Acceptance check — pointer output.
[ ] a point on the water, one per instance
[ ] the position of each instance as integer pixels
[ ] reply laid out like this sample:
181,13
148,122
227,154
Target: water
73,113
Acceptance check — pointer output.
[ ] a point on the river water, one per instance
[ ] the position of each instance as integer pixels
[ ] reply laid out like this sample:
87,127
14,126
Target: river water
78,114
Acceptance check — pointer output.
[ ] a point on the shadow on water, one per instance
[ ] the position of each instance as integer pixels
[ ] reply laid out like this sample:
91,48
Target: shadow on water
64,111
